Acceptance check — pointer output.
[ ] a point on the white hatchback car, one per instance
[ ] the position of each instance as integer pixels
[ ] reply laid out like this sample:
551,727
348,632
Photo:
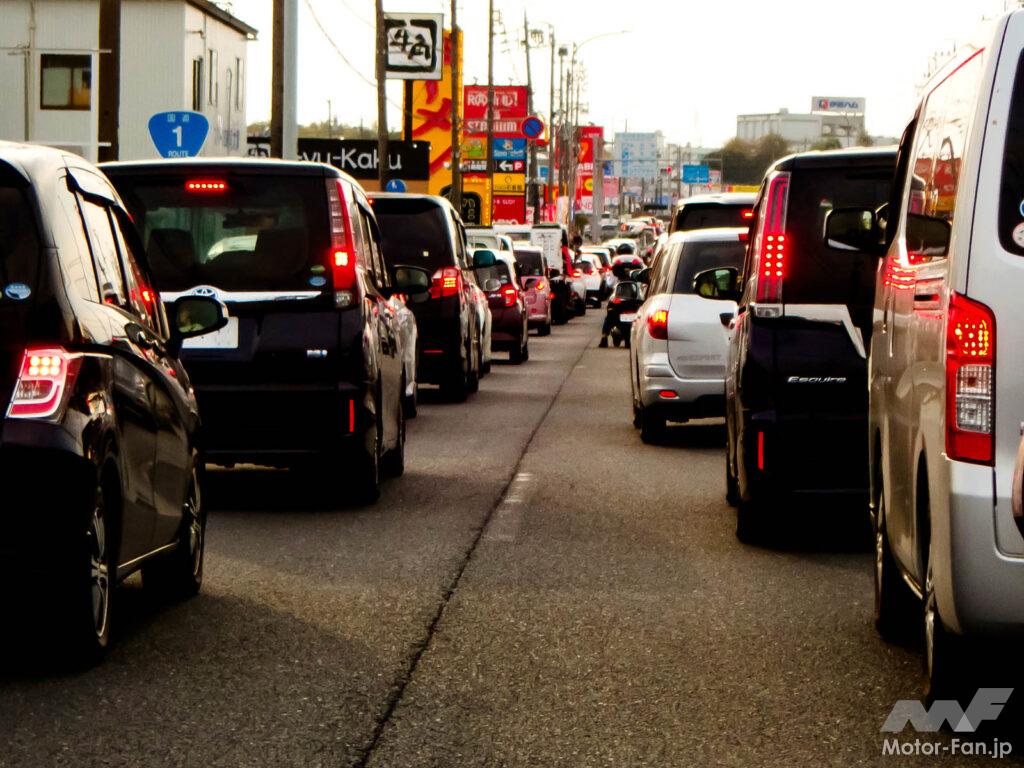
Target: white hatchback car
947,350
680,334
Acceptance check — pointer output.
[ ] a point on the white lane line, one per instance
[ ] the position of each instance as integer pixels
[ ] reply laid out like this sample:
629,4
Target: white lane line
507,518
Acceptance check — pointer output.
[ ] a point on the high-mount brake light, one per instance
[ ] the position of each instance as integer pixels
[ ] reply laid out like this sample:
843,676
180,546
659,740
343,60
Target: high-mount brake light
970,381
44,377
206,185
657,324
774,249
342,259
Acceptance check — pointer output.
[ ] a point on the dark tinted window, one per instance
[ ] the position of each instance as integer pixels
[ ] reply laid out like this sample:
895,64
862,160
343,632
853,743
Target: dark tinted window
530,264
499,272
258,234
109,278
698,257
1011,195
414,232
817,274
19,246
710,216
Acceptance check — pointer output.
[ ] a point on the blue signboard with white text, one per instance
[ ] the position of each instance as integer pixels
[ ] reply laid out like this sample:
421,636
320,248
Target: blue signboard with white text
510,149
178,134
696,174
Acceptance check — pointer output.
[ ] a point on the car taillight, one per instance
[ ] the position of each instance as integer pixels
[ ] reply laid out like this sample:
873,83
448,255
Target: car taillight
657,324
748,214
539,286
577,273
773,246
509,294
970,381
446,282
342,255
44,377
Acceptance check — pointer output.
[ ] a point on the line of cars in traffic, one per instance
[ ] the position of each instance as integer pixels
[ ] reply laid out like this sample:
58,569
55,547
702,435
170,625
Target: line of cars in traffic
847,332
158,316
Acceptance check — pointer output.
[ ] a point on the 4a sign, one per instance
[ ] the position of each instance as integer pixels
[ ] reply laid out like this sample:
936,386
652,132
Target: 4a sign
414,45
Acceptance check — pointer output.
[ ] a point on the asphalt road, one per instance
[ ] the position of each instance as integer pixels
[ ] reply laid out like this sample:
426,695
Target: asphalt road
539,589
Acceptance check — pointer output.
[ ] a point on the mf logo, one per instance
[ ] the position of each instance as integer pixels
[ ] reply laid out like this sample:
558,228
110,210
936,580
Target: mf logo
986,705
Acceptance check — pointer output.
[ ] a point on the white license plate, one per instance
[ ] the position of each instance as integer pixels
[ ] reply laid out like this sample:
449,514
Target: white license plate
225,338
627,318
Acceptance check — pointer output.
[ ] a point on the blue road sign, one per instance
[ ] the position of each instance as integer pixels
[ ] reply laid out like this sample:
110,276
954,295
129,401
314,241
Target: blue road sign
533,127
394,185
510,149
696,174
178,134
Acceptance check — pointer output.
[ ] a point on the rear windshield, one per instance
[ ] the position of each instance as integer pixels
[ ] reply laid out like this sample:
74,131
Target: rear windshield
499,272
699,257
710,216
261,233
1011,195
415,232
818,274
530,264
483,241
586,266
19,247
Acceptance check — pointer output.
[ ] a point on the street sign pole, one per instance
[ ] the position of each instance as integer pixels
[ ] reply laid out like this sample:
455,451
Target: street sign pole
382,110
490,104
455,195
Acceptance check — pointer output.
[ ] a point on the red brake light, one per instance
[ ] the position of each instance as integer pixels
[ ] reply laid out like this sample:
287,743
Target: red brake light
446,282
551,295
539,286
509,294
748,214
657,324
970,381
212,186
772,245
44,377
342,261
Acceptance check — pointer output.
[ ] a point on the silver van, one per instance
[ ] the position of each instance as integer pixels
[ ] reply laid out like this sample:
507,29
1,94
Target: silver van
946,356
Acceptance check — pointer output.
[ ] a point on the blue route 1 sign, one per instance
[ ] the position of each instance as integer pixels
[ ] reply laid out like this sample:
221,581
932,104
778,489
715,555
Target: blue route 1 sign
178,134
532,127
696,174
394,185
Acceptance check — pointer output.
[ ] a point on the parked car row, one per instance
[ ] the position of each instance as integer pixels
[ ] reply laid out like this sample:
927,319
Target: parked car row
848,335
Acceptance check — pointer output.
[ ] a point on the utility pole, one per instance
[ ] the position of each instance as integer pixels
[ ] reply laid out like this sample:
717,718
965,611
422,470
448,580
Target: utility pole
382,107
109,79
552,142
531,170
455,195
595,216
490,105
284,80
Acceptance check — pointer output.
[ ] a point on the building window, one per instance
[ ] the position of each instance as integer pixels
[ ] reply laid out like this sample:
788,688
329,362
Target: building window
66,81
239,84
197,85
214,79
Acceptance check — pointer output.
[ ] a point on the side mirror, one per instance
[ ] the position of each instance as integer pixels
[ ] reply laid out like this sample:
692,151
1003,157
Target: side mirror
193,316
642,276
412,281
852,229
492,284
484,258
720,284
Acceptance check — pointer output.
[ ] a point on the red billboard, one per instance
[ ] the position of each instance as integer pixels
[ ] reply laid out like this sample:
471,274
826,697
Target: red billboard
510,107
509,209
588,142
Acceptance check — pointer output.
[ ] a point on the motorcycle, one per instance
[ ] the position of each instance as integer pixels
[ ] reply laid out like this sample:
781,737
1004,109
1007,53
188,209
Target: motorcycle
622,309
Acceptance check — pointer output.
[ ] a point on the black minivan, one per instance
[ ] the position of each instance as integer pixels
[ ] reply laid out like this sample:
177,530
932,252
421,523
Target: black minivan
100,457
796,376
308,372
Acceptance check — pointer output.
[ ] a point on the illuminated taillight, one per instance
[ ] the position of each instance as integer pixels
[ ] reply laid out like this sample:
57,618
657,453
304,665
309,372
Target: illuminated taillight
970,381
657,324
509,294
773,247
539,286
42,382
446,282
551,295
210,186
342,255
748,214
577,273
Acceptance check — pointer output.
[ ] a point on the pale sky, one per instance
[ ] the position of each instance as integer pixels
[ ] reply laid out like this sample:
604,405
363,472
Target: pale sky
685,67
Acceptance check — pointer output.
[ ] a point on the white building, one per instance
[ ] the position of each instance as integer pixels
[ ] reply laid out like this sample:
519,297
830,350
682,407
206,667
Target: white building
802,130
175,54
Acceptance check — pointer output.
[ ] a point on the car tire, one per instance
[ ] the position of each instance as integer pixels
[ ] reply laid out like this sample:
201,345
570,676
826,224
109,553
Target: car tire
749,522
410,404
393,462
545,330
456,387
943,651
616,340
366,466
519,353
732,488
179,574
473,374
87,586
895,605
652,428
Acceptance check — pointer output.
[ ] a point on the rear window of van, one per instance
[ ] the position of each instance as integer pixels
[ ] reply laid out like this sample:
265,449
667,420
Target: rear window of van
19,245
1011,195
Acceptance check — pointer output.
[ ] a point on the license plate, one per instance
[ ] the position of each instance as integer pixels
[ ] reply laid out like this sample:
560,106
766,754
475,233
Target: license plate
627,318
225,338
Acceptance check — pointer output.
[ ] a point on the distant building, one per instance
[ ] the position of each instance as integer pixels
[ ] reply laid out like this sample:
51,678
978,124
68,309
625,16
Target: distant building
175,54
840,119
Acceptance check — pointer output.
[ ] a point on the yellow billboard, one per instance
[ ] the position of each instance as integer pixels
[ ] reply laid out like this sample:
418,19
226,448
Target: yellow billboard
432,115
